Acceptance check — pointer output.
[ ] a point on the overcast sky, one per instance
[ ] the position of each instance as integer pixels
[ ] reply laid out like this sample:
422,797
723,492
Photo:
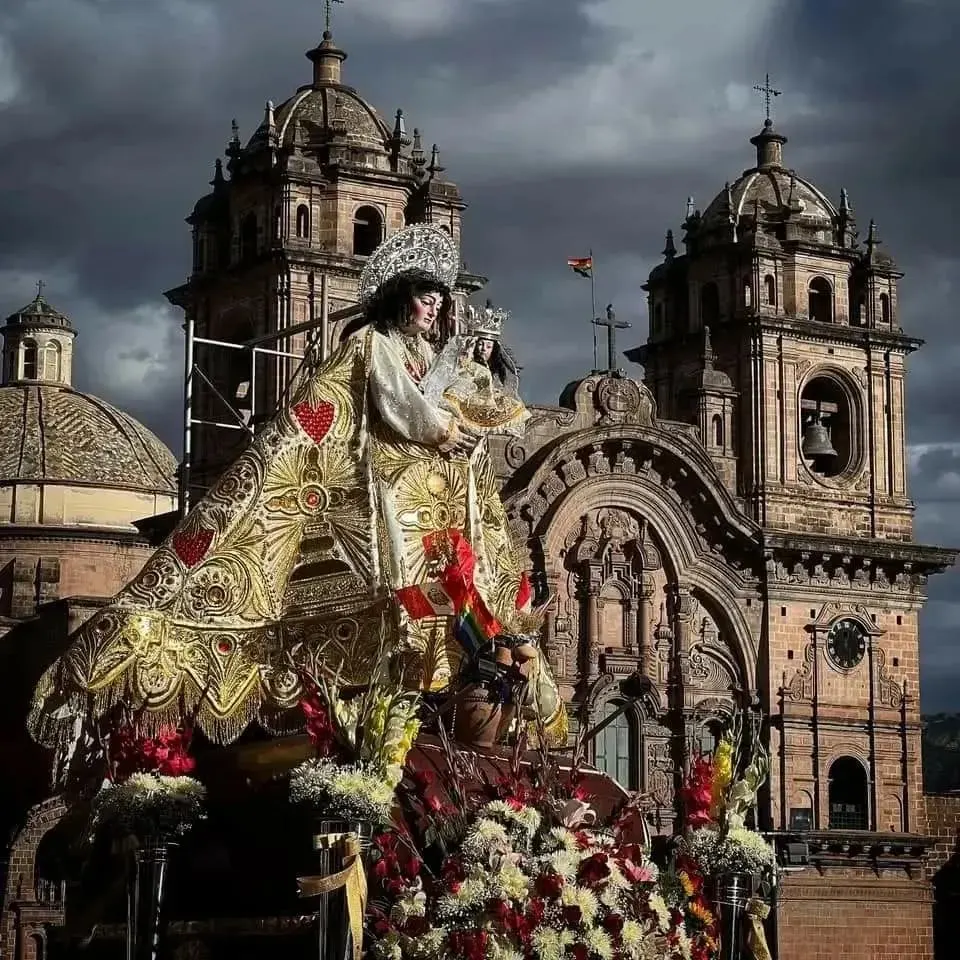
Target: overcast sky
568,124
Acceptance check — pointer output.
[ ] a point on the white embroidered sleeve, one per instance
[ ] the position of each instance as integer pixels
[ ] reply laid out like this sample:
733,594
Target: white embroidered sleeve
400,403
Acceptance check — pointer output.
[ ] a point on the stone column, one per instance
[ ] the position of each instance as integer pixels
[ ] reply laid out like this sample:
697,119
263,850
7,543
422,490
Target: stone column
644,616
631,630
593,633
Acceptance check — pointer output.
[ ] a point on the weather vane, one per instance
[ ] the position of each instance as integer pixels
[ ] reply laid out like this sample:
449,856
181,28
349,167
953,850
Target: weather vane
327,4
768,92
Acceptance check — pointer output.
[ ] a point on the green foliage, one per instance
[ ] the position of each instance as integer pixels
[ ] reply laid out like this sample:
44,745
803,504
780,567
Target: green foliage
941,752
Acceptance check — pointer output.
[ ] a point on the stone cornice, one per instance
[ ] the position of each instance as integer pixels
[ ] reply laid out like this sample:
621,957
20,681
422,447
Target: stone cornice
860,848
839,333
74,534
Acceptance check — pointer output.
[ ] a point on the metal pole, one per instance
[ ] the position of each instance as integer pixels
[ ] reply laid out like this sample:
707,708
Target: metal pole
324,316
593,311
185,464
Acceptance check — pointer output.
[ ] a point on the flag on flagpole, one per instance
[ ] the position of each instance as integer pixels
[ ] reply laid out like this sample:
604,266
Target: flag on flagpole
581,265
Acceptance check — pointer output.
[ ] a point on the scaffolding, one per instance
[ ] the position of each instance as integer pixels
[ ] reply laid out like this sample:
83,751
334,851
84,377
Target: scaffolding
241,410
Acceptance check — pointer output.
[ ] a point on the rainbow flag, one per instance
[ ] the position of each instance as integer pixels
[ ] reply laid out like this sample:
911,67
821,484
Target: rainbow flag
581,265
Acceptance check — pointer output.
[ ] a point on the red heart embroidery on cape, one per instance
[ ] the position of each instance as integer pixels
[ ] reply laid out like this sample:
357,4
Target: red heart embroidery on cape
192,547
315,418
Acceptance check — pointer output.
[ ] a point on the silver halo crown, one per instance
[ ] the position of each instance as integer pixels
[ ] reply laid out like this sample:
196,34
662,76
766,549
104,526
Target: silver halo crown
486,323
422,247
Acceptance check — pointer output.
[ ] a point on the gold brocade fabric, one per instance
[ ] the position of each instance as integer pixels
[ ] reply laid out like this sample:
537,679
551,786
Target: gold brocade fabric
291,560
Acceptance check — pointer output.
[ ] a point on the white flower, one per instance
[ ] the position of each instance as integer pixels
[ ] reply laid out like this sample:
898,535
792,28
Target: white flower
586,900
599,942
565,862
511,882
550,944
659,907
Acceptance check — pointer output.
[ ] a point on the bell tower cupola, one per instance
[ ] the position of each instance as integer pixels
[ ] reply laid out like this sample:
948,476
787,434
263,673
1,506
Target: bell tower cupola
38,344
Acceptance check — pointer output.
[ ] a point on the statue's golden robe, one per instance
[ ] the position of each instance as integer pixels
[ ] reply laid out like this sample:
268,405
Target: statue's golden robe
292,559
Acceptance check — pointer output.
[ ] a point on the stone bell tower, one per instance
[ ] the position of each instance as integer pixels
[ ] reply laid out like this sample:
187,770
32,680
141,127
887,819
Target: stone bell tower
777,333
280,243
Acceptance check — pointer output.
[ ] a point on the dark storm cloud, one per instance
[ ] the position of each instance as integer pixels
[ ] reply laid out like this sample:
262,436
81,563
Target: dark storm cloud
567,125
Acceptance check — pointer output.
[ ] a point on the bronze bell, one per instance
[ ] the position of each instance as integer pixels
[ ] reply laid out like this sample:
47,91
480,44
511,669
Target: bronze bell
816,441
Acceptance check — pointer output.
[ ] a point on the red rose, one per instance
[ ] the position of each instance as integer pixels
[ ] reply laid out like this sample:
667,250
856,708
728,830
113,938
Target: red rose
579,951
594,869
572,915
416,926
535,910
549,885
613,923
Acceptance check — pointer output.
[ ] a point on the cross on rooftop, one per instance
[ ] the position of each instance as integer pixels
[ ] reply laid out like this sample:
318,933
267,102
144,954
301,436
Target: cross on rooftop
327,4
40,286
768,92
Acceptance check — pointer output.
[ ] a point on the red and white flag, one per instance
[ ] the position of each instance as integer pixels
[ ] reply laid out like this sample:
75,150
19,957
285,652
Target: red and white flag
426,600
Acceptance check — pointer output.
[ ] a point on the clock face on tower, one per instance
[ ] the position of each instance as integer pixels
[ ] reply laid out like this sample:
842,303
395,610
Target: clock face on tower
846,643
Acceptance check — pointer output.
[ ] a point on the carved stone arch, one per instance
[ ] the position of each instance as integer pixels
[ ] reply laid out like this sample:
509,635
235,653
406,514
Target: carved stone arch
681,555
616,585
733,656
649,707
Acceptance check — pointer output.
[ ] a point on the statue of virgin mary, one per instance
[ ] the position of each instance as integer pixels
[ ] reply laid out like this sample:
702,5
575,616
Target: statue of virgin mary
292,561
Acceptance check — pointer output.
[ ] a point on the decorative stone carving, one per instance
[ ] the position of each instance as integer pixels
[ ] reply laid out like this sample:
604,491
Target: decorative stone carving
620,400
890,692
515,453
801,685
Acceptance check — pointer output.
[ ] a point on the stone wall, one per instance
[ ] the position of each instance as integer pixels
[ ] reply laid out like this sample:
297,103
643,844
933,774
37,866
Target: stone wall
852,914
943,870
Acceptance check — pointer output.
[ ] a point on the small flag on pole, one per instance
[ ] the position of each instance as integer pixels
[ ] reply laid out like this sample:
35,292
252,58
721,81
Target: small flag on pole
581,265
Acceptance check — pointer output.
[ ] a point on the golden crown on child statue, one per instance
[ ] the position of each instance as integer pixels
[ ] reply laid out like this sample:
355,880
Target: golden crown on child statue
486,322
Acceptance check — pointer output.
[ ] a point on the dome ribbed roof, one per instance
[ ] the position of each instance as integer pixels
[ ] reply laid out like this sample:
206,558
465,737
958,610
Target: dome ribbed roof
56,434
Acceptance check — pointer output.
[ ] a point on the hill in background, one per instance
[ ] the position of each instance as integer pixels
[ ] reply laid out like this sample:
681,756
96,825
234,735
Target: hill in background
941,752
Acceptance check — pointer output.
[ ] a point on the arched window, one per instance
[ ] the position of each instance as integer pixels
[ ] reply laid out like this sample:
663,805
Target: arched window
770,290
51,361
248,237
820,300
885,309
303,222
717,430
847,795
367,231
747,294
29,371
709,304
658,318
616,748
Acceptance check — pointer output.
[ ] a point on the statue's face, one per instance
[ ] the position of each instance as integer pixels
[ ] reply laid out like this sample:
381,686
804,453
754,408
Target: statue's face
424,309
484,349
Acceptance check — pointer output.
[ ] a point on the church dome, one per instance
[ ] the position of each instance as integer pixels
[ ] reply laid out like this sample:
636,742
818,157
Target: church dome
54,434
324,111
772,190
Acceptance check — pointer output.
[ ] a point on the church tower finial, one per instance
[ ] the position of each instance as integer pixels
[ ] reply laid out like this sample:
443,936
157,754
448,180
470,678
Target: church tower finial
327,56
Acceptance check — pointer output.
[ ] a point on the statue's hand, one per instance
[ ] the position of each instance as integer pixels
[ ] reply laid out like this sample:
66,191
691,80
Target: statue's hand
465,443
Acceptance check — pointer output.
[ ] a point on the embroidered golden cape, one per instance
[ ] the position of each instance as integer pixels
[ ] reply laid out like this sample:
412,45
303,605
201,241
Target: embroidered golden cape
292,559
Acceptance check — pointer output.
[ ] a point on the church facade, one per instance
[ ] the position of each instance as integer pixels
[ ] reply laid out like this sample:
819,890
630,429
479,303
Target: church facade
728,516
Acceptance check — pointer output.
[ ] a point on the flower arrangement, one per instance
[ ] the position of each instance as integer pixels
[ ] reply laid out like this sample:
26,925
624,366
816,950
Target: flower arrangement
361,739
526,872
148,791
716,804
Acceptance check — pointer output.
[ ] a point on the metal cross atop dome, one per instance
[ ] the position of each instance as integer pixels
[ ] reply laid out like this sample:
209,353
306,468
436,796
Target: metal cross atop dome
40,286
768,92
327,5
